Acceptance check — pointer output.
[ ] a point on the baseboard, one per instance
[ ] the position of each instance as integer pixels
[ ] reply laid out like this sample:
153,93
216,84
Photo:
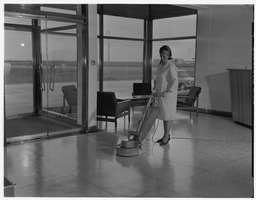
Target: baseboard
215,112
91,129
242,124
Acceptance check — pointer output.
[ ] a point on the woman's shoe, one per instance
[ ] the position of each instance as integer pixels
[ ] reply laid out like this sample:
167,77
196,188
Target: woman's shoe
160,140
165,143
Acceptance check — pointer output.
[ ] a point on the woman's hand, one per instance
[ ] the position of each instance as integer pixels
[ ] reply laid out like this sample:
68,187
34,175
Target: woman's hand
162,94
157,94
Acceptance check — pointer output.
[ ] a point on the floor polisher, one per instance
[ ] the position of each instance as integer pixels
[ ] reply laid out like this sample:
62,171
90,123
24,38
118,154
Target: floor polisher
132,145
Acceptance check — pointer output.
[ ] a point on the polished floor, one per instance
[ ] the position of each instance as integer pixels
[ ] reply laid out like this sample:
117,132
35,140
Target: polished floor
208,156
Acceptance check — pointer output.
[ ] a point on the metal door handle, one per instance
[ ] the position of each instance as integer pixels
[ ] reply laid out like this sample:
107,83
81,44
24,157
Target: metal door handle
42,80
52,77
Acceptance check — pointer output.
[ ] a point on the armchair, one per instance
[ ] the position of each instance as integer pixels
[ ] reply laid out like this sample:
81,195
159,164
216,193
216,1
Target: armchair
141,89
69,95
188,101
109,106
141,92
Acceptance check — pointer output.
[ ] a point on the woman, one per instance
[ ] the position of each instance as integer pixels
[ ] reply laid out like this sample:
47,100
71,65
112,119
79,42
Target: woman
166,84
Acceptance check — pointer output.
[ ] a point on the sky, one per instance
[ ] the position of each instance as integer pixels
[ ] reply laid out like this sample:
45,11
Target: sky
18,44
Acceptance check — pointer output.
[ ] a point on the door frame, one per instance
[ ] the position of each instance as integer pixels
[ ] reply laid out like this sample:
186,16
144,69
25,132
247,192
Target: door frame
82,38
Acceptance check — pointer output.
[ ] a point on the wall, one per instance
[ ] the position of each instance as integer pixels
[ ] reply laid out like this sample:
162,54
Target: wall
92,20
92,70
224,41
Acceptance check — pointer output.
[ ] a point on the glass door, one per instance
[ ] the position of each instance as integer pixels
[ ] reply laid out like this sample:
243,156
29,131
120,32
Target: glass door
18,72
59,76
20,120
40,88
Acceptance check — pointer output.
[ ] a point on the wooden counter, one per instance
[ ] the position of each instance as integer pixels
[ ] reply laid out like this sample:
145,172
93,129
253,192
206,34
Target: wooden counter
241,95
8,188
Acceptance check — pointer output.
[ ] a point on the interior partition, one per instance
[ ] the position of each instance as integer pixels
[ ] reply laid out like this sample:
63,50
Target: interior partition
37,73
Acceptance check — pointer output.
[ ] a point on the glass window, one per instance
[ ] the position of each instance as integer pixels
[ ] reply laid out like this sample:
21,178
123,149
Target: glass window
69,31
18,73
59,10
175,27
59,65
123,27
123,59
183,52
123,65
15,20
183,74
54,24
61,48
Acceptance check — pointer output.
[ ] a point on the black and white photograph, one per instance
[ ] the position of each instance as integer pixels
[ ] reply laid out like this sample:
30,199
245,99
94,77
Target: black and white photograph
129,100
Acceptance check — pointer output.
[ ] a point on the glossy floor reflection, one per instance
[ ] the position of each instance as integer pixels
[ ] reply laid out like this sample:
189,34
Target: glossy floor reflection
208,156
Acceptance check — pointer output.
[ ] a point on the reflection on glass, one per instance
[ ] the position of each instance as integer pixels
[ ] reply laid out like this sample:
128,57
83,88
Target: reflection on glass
123,65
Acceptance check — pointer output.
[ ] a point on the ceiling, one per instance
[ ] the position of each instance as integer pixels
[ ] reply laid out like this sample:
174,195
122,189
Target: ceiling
140,11
145,11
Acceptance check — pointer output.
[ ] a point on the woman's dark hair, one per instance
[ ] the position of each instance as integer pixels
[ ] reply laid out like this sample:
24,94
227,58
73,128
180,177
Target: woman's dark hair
167,50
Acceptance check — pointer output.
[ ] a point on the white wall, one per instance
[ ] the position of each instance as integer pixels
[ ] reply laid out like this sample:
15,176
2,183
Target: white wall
92,63
224,41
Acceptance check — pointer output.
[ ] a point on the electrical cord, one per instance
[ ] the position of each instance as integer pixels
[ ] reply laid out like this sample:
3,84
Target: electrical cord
155,132
179,138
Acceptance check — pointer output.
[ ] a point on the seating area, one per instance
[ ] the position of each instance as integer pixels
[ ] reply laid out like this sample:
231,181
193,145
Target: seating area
109,108
190,101
113,108
141,89
140,94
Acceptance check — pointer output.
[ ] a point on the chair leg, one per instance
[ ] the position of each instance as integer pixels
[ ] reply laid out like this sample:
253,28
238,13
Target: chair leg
70,110
63,105
132,106
197,107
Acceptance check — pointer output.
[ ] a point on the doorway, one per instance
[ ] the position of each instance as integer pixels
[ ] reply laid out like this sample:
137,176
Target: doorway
36,105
